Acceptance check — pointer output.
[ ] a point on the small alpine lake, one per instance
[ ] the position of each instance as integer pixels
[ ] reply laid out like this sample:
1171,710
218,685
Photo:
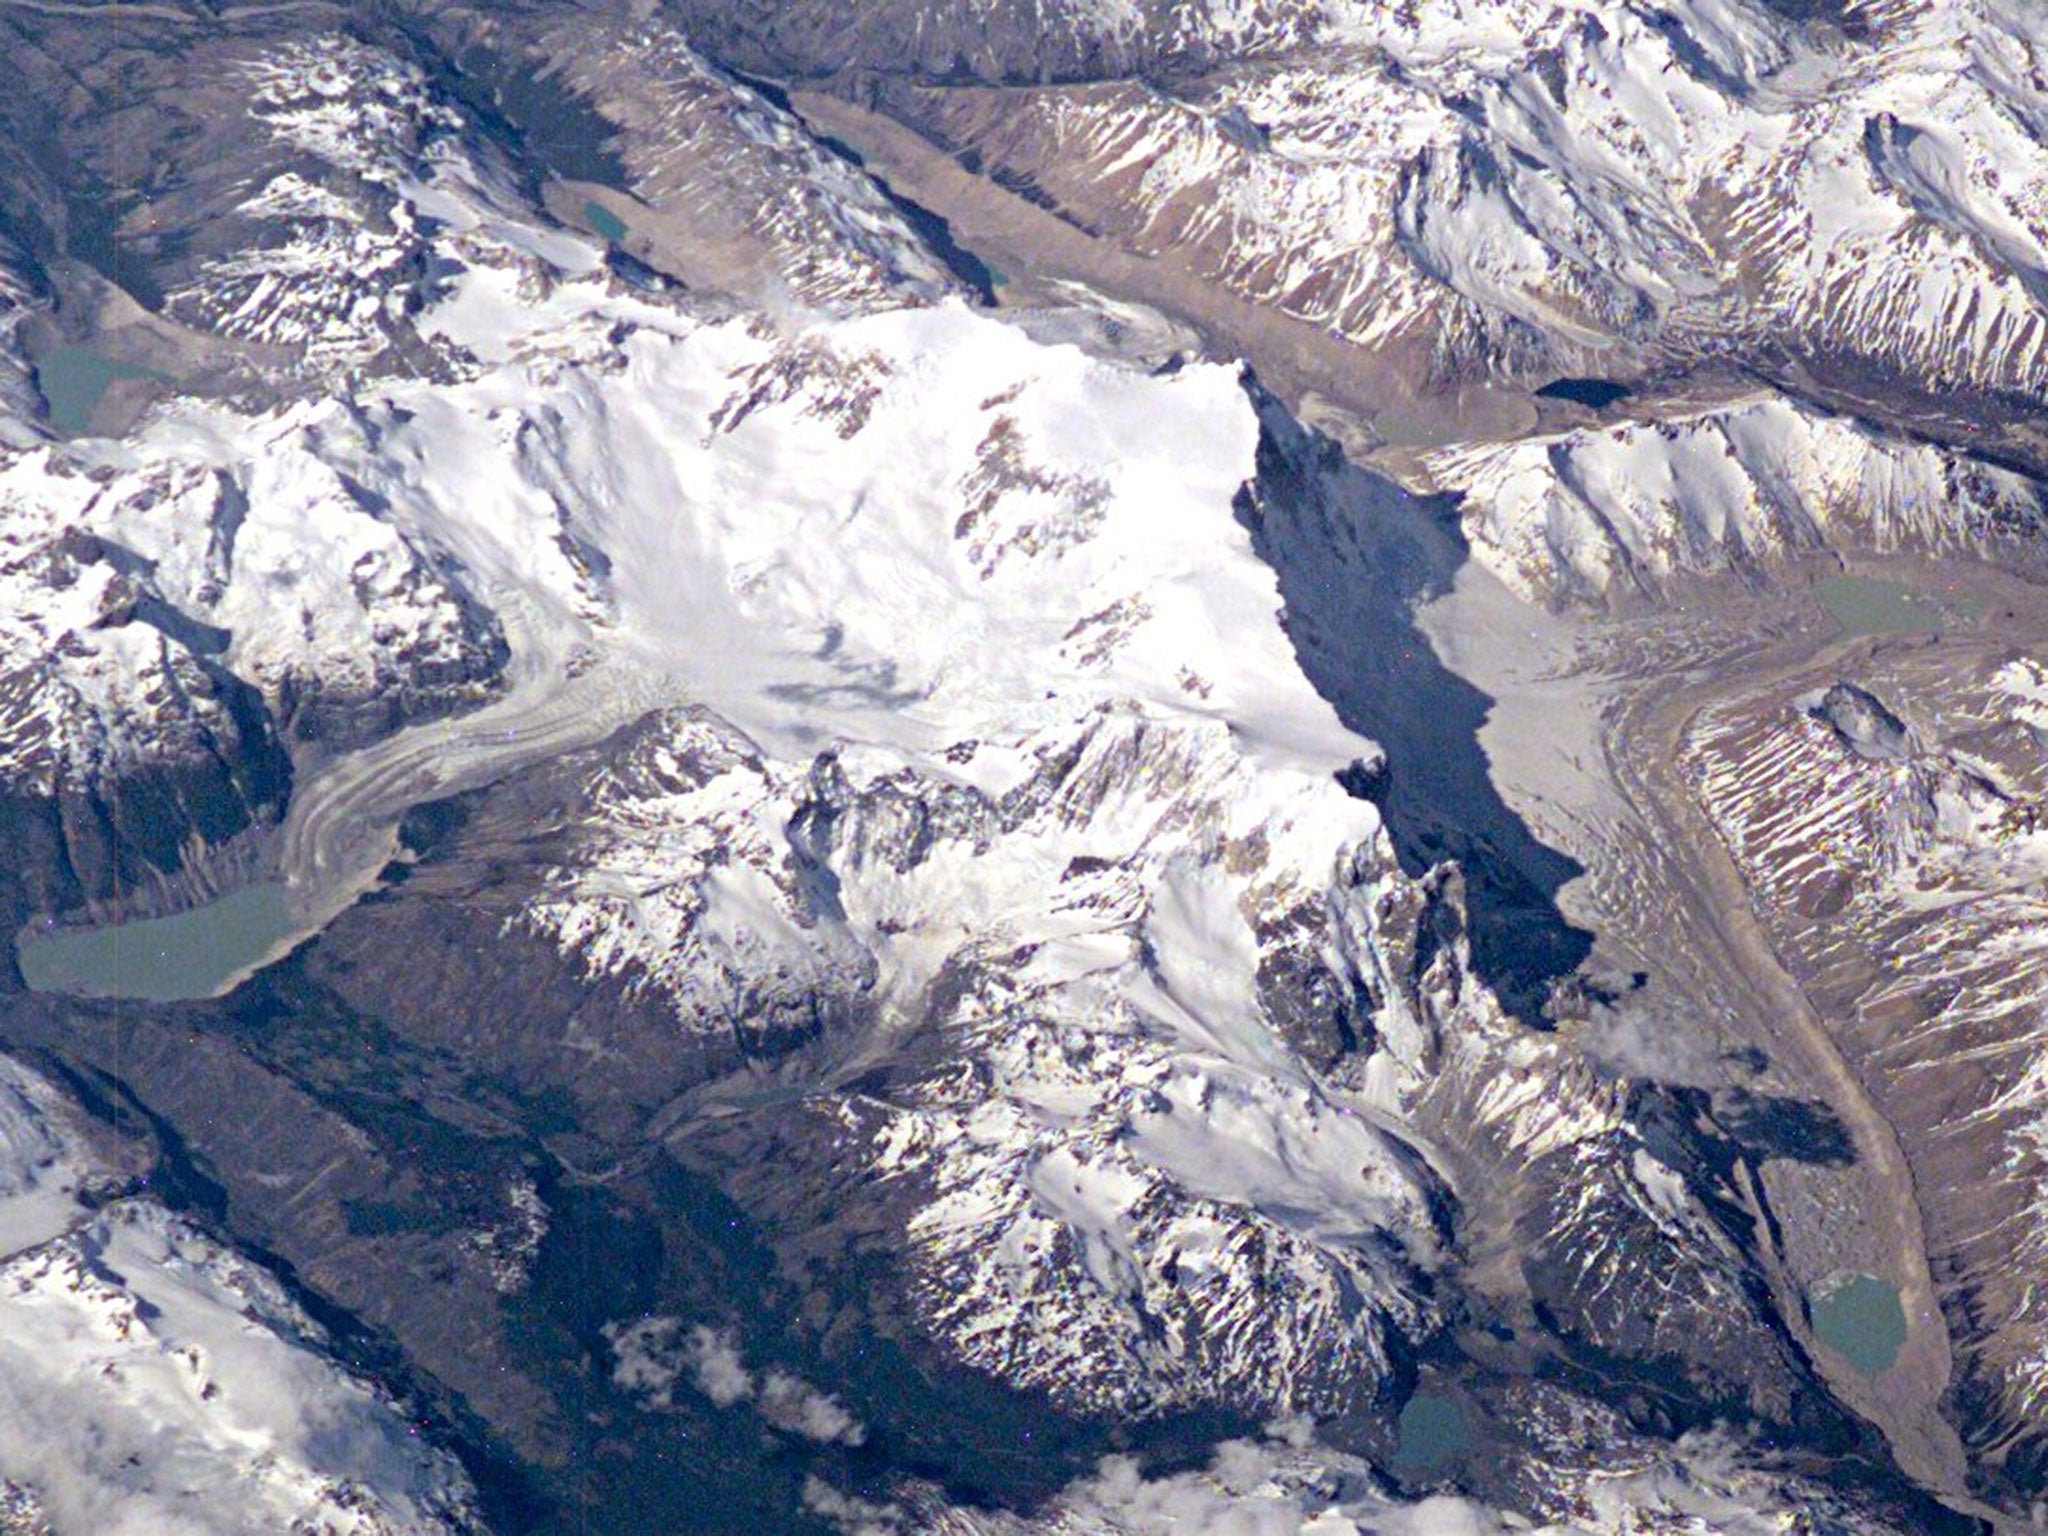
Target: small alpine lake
608,225
1864,605
1860,1319
1594,394
1431,1431
73,379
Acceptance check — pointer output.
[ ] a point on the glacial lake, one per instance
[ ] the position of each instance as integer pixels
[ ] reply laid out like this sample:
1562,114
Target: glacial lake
1861,1320
605,222
164,959
1595,394
1430,1432
1863,605
72,380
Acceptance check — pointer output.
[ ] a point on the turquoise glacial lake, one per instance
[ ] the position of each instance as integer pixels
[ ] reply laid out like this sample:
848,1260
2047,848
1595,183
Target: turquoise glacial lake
605,222
163,959
72,380
1861,1320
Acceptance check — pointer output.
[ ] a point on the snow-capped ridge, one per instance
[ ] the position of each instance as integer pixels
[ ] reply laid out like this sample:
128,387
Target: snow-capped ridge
1600,510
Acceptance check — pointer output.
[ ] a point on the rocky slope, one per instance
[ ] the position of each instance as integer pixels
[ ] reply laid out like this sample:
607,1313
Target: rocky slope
1901,865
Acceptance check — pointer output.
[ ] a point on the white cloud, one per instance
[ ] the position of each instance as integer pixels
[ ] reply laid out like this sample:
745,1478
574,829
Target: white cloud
652,1355
798,1408
853,1516
1258,1490
1634,1036
644,1358
1283,1486
1249,1489
720,1370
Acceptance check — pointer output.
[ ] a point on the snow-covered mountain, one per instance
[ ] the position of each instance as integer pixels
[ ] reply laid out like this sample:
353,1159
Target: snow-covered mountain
1068,800
1004,826
155,1381
1592,187
871,810
1600,511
